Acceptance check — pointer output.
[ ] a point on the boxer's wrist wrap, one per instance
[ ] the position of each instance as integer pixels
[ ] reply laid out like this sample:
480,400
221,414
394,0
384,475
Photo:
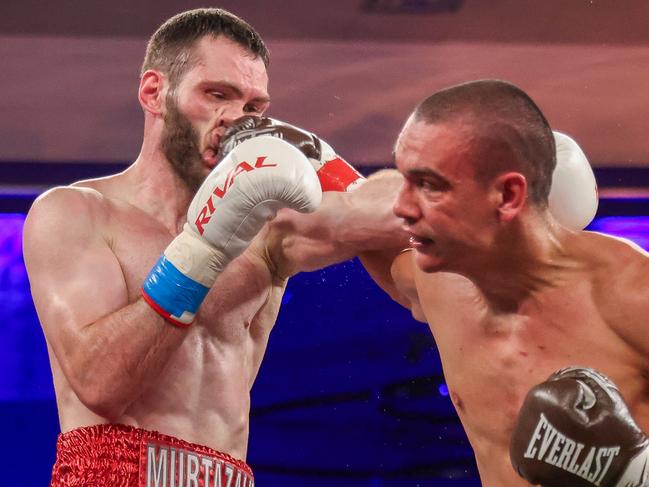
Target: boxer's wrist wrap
338,175
172,294
179,281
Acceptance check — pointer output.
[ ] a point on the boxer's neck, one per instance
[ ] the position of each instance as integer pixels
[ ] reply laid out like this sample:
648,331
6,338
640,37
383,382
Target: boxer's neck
526,258
158,190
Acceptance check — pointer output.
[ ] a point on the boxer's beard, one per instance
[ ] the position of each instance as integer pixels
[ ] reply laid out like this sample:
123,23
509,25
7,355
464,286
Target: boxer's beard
180,146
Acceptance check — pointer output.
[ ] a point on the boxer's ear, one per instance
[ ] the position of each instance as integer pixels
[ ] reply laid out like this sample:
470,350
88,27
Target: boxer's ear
511,190
151,91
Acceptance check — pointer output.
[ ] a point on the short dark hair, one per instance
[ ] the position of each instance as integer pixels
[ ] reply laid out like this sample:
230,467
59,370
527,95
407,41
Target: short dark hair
507,127
169,48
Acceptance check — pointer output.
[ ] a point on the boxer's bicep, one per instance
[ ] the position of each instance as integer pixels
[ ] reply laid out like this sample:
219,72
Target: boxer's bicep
75,277
402,272
379,265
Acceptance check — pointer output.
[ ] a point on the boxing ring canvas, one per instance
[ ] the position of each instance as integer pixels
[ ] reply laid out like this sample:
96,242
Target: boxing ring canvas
350,393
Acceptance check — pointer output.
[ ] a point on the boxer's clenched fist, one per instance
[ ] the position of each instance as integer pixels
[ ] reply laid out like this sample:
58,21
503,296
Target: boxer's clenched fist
334,173
573,196
575,430
245,190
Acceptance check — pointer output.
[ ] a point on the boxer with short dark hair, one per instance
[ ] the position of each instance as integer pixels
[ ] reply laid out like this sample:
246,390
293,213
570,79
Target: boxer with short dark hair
512,295
157,288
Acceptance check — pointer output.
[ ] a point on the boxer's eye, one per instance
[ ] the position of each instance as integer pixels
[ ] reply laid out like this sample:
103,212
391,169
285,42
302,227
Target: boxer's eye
254,109
217,94
429,186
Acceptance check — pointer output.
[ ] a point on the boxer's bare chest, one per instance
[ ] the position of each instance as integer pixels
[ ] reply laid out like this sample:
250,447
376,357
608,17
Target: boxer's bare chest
203,392
492,359
241,306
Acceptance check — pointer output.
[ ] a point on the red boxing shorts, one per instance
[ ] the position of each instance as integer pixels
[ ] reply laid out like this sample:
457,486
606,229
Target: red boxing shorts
110,455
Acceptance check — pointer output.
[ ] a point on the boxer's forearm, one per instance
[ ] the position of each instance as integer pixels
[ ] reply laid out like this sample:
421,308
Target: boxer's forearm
107,349
345,225
118,356
367,222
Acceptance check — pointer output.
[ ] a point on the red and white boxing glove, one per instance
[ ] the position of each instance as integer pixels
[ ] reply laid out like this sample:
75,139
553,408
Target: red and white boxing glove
245,190
573,195
334,173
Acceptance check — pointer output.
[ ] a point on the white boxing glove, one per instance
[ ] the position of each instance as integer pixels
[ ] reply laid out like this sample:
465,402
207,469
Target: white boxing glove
334,172
573,196
245,190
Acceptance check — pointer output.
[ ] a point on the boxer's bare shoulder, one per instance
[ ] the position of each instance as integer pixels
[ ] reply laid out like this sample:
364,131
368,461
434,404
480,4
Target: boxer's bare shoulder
88,203
620,287
609,248
65,233
62,203
61,221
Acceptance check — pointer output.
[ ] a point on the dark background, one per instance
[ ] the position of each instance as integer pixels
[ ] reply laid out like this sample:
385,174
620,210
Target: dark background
351,391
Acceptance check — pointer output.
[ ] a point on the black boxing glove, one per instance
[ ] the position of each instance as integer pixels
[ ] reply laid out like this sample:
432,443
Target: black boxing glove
575,430
334,173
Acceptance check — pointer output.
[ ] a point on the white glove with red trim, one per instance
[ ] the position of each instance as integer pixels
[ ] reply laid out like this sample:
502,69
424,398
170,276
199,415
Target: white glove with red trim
245,190
334,173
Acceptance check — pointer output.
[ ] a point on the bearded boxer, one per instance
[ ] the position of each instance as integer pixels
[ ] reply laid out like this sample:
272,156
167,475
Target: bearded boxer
510,294
157,288
158,296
